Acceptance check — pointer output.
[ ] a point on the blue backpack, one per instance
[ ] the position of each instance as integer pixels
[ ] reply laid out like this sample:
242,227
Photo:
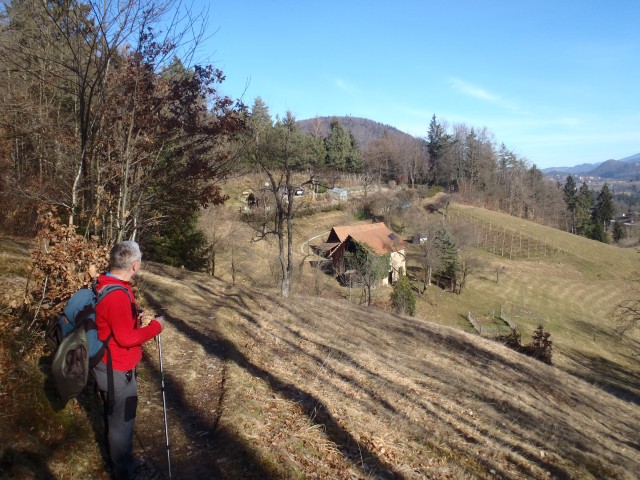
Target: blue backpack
74,338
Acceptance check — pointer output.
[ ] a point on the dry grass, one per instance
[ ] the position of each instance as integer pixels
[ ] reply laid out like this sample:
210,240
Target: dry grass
573,294
317,387
320,388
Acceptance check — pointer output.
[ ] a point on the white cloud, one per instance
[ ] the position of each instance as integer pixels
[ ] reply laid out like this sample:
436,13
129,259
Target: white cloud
472,90
482,94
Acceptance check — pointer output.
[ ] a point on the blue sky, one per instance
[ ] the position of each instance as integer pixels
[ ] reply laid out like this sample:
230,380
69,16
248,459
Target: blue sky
556,81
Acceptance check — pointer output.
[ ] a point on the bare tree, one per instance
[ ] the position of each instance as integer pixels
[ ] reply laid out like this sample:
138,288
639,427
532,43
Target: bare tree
277,150
378,158
102,108
365,268
469,265
627,316
428,252
413,159
74,44
367,180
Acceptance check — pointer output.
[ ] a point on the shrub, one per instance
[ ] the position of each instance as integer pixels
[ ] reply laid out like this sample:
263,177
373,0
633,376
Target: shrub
541,348
618,232
428,192
364,212
511,340
63,262
402,297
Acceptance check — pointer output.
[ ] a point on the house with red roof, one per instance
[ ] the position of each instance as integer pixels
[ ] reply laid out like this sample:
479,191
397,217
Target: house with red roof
376,236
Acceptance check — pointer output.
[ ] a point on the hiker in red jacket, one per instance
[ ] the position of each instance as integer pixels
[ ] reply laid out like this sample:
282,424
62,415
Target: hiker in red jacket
119,324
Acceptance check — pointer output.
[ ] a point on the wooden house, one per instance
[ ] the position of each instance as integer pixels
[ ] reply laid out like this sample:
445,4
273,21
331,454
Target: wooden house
376,236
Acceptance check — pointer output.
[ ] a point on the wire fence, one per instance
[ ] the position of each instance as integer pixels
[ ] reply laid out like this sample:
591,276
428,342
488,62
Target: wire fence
505,242
507,320
493,330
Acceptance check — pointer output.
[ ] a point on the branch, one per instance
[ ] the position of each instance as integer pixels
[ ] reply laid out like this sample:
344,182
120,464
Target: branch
44,291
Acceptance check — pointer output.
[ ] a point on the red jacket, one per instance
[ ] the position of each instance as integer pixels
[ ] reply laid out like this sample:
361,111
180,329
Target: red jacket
114,314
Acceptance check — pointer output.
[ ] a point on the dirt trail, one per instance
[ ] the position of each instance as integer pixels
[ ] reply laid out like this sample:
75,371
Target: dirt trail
194,374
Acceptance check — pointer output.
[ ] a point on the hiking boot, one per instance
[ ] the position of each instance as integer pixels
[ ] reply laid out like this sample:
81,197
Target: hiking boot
145,472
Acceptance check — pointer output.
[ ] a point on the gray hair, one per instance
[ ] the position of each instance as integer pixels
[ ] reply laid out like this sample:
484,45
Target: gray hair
123,255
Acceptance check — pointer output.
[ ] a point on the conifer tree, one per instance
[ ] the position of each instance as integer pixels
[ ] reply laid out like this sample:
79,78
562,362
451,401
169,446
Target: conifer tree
354,158
604,209
437,140
584,204
598,233
569,192
402,296
448,252
342,152
618,232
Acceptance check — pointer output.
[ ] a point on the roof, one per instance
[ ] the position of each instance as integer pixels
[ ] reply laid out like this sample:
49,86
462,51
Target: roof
376,235
327,246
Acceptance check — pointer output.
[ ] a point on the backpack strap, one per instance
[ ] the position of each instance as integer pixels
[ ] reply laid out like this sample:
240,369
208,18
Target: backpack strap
99,296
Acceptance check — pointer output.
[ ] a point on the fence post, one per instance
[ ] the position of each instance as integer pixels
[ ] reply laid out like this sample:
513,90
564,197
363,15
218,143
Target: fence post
511,247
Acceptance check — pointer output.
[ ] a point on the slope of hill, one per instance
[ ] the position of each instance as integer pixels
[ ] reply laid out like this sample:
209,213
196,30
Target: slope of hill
364,130
569,284
262,387
583,168
617,170
622,169
317,387
631,159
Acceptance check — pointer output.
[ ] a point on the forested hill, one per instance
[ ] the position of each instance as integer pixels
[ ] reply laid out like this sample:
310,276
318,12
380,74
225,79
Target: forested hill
364,130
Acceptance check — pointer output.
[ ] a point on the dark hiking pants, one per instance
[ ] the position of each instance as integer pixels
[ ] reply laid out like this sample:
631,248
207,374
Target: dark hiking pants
119,424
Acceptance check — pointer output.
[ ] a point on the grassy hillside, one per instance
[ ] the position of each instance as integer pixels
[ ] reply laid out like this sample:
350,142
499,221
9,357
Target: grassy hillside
317,387
321,388
572,291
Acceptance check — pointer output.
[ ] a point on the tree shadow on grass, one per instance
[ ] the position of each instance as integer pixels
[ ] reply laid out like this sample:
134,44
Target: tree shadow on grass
311,406
33,462
611,377
219,453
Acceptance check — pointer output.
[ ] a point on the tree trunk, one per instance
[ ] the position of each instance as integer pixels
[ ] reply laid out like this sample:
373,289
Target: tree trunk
74,194
212,270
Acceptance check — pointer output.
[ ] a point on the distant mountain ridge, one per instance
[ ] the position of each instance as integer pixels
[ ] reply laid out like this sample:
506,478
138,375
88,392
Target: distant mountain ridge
364,130
627,168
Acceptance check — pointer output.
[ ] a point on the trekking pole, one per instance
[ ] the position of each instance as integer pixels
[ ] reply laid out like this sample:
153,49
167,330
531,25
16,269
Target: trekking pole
164,404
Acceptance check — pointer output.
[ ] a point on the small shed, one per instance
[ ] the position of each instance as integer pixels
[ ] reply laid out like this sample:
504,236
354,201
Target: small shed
341,194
